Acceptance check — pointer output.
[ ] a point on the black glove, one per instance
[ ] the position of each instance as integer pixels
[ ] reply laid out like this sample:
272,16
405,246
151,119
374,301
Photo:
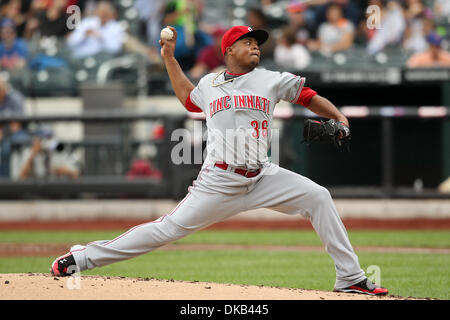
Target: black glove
330,131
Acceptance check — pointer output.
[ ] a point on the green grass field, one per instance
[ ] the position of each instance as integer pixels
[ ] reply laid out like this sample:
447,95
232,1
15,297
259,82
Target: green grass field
405,274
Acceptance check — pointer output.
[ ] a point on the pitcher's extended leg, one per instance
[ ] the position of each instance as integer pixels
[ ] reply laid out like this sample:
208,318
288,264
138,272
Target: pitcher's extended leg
199,209
291,193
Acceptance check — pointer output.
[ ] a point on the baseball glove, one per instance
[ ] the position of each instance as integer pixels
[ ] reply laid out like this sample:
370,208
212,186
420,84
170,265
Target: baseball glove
329,131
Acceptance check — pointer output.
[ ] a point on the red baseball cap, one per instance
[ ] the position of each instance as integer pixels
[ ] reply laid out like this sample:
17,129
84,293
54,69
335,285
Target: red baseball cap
238,32
296,7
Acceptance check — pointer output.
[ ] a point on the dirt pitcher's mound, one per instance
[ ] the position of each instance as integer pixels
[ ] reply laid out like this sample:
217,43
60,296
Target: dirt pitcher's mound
34,286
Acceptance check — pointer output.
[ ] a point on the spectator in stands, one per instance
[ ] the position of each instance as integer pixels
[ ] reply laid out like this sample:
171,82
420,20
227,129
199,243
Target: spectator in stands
13,50
210,58
96,34
13,133
17,132
442,8
62,162
350,10
415,34
31,162
289,53
392,26
257,20
434,56
4,157
336,34
49,22
45,158
150,14
39,5
11,103
184,16
158,132
419,22
146,41
298,22
12,10
142,166
266,3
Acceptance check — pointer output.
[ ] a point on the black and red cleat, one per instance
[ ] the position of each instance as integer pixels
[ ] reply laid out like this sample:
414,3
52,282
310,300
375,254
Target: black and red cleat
365,287
64,266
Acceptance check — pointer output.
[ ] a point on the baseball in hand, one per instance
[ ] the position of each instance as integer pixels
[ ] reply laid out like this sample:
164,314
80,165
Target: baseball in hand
166,34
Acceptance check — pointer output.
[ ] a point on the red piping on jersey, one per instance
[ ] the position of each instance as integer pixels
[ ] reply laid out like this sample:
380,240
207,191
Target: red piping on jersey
160,219
235,74
190,106
299,90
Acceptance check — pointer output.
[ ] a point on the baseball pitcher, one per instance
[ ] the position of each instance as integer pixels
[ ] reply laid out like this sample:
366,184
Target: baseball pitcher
237,174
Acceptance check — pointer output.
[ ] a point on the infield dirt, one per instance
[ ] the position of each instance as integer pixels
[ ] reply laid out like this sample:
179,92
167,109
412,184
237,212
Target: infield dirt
34,286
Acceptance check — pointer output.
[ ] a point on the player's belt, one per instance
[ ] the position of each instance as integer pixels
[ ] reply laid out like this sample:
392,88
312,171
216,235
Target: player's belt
242,172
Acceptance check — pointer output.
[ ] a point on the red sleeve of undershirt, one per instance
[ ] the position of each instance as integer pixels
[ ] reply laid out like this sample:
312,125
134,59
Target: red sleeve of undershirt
190,106
305,97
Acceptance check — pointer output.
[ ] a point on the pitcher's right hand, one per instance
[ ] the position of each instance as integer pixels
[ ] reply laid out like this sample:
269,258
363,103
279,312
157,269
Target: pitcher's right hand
168,46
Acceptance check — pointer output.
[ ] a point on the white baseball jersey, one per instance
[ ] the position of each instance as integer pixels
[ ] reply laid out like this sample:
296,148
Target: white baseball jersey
239,113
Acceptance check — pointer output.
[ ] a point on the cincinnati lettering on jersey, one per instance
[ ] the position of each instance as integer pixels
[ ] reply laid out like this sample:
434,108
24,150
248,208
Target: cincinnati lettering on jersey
240,102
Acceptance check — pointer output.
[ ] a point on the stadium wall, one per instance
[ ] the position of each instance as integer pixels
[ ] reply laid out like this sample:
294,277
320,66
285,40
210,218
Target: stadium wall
118,214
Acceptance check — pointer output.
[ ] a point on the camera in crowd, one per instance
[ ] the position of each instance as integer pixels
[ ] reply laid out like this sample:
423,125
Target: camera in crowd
48,142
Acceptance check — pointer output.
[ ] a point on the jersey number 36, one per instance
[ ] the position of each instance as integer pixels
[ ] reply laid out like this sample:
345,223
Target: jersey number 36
257,126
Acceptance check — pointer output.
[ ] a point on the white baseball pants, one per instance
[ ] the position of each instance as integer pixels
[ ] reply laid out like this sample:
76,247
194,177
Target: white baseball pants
217,194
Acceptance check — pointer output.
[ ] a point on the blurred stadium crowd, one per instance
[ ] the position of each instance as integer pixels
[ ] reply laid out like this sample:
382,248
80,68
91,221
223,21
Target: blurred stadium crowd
52,47
59,44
